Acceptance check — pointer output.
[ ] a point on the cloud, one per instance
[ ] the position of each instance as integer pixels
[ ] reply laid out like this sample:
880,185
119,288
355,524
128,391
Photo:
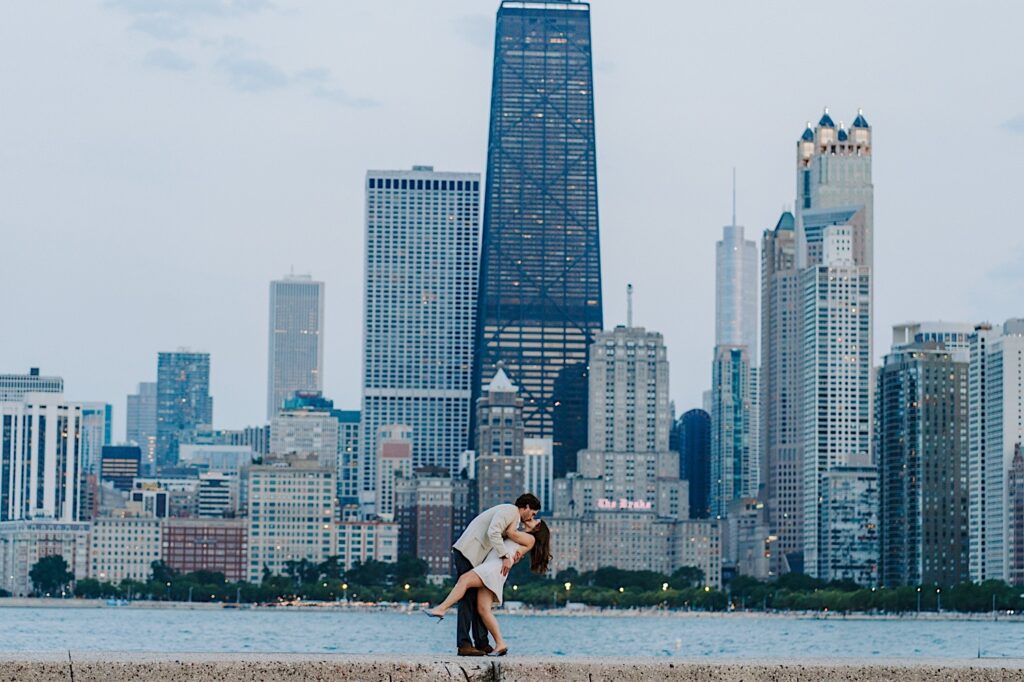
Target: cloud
191,8
1010,271
168,60
318,82
252,75
476,29
161,27
1015,124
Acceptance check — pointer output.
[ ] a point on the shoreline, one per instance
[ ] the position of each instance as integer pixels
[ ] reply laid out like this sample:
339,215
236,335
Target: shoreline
581,612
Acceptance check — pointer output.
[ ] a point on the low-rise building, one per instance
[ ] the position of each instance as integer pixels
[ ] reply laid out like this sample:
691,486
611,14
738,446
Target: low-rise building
123,548
362,541
217,545
23,543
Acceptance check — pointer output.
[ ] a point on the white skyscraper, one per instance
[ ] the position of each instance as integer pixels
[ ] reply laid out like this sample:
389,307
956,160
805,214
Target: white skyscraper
995,427
422,237
96,425
835,400
735,434
736,289
40,458
295,356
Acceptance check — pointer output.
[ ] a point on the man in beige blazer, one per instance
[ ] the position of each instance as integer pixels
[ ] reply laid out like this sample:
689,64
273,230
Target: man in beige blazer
485,533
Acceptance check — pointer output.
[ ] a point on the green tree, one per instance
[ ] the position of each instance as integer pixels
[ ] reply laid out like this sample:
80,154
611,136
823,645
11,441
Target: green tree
50,574
687,576
160,572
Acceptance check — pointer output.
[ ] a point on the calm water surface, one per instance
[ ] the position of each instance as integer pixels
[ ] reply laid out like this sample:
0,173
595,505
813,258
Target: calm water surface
268,631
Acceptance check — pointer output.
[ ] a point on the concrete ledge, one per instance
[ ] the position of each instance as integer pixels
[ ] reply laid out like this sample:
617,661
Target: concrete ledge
94,667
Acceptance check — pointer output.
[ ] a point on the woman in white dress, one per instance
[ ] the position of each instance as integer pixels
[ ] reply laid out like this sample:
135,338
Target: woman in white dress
488,577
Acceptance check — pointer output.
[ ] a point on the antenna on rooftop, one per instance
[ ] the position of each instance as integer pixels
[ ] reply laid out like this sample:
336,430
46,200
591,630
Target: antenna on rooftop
629,306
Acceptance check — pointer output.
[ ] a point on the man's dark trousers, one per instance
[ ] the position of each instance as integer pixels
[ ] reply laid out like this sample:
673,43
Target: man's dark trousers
469,619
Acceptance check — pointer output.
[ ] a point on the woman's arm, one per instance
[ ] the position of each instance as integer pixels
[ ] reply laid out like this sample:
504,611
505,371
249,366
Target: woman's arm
521,538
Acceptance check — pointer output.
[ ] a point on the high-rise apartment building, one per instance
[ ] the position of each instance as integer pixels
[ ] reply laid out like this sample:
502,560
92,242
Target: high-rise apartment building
835,399
96,427
921,451
694,428
395,456
996,404
540,270
140,415
500,464
307,424
13,387
295,355
627,484
781,470
734,430
349,435
539,472
40,470
1015,518
422,233
735,463
432,509
23,543
183,402
291,515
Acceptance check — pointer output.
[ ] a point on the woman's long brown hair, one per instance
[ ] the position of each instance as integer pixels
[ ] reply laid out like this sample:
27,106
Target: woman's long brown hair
540,555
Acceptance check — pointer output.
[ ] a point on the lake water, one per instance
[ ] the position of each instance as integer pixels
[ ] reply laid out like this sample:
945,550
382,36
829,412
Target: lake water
329,631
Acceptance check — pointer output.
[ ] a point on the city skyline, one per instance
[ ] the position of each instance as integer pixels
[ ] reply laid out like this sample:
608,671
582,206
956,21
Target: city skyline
179,291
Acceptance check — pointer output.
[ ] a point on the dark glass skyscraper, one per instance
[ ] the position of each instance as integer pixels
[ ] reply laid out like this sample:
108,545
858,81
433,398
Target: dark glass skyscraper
539,300
694,429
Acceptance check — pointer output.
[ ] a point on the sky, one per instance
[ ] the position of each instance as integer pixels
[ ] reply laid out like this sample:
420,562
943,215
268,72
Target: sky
161,161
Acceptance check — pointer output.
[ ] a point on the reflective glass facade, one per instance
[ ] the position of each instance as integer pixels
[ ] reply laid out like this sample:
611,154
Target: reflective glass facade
540,275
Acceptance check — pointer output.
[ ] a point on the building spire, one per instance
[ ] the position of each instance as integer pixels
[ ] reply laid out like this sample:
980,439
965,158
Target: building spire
734,196
629,306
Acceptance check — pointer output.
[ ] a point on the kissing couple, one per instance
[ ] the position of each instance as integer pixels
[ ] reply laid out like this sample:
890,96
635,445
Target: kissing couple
491,544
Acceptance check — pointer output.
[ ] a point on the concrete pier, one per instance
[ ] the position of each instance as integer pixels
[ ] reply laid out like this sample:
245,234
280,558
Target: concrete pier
109,667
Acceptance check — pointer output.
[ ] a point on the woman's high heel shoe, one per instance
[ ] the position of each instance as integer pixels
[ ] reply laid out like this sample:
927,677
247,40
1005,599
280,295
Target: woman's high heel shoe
432,614
499,652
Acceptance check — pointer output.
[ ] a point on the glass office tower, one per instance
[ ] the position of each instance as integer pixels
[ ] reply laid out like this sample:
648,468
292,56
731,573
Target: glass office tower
540,275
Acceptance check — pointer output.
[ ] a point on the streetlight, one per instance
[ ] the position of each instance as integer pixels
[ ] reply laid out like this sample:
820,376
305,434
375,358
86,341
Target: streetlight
190,592
938,599
664,587
621,590
919,601
344,587
407,587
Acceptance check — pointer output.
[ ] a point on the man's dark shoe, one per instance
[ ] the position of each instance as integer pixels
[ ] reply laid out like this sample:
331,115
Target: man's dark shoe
486,648
467,650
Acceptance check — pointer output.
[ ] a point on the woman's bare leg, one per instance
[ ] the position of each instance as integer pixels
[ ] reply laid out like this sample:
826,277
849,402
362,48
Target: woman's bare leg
467,581
484,601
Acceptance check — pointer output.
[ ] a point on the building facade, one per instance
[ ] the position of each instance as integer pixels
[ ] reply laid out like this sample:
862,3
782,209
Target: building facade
96,427
996,404
363,541
121,464
735,470
23,543
500,464
921,450
1015,526
540,271
306,424
694,429
295,355
183,401
40,471
422,232
836,392
781,470
394,463
291,515
140,415
14,387
216,545
539,470
124,548
432,511
736,291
